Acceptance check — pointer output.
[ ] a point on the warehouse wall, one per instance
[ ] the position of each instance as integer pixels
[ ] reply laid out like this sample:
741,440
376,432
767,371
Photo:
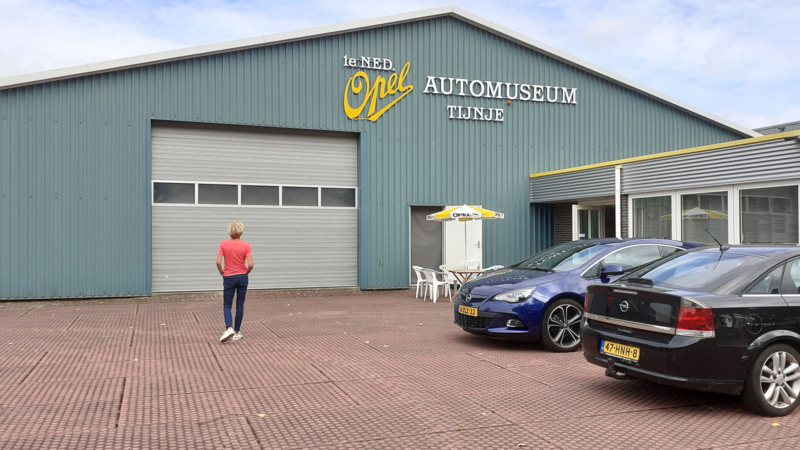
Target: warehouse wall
74,154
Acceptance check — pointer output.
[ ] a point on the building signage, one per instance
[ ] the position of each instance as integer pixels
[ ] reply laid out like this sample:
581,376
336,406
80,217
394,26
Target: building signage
463,87
394,87
381,93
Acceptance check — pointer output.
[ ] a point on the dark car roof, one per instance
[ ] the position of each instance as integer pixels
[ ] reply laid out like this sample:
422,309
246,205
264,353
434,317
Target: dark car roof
762,250
622,241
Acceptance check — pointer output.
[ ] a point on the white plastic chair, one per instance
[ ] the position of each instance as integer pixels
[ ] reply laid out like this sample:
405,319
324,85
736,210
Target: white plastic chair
432,281
420,279
490,269
471,264
449,276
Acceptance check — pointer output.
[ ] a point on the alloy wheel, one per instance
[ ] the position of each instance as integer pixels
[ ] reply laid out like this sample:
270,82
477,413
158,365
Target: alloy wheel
563,325
780,379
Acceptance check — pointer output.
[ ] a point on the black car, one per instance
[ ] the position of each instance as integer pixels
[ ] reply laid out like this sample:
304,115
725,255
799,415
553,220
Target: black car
717,319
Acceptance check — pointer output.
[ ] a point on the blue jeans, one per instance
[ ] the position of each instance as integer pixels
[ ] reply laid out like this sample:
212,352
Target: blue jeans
234,284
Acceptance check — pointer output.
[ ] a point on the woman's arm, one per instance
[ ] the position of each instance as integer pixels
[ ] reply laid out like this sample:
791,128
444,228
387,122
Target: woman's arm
219,264
249,263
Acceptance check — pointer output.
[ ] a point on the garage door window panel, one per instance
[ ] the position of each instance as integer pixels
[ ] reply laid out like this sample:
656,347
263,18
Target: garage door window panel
260,195
300,196
338,197
174,193
218,194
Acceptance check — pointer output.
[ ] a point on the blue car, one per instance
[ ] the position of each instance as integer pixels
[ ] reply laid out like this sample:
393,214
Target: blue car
541,298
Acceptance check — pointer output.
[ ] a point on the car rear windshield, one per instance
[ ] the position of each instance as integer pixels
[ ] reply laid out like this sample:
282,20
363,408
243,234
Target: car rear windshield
694,271
562,257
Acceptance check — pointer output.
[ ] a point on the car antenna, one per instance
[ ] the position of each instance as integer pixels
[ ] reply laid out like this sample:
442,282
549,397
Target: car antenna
722,248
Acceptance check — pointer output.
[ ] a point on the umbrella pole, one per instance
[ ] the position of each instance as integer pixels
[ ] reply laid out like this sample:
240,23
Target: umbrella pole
466,249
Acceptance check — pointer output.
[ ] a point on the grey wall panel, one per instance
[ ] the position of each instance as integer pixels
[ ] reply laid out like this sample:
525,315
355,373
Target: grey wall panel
74,161
185,152
292,247
766,161
573,185
782,128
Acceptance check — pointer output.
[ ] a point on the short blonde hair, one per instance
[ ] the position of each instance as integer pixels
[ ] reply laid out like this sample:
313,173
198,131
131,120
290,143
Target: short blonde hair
235,229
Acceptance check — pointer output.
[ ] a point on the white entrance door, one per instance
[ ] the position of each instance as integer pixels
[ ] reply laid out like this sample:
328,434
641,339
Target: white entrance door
586,223
463,241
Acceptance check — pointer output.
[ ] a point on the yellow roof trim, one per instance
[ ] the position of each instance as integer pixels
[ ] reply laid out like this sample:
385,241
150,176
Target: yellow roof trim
769,137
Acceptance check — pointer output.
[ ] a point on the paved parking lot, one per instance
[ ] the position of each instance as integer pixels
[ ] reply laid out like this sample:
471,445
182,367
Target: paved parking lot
383,371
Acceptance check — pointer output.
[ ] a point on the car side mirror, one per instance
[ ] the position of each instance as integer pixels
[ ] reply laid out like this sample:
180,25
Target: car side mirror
611,270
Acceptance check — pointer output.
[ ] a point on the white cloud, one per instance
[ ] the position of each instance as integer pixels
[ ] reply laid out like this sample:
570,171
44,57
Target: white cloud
736,59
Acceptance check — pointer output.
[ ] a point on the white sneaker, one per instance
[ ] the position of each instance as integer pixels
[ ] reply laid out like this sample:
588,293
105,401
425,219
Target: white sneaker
226,335
238,336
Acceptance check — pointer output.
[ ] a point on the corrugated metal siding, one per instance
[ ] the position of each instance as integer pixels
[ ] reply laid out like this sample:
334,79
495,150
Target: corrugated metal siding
295,247
86,140
573,185
782,128
766,161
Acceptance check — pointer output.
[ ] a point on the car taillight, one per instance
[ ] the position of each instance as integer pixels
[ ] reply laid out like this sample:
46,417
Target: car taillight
695,319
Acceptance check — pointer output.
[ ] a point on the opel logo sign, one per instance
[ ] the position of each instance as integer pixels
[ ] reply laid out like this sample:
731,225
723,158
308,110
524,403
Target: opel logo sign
469,298
624,306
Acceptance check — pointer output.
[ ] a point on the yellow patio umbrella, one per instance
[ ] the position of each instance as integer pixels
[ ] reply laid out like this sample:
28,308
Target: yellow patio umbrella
463,214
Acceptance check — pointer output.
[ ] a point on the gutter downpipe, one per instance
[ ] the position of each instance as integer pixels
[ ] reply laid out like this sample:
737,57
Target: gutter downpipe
618,200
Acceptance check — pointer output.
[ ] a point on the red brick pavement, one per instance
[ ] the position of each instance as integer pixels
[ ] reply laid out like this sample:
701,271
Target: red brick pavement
344,372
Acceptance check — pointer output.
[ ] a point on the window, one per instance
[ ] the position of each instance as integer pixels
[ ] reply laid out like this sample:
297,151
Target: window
634,256
300,196
218,194
769,215
768,284
234,194
652,217
696,271
260,195
173,193
667,250
562,257
706,211
338,197
791,279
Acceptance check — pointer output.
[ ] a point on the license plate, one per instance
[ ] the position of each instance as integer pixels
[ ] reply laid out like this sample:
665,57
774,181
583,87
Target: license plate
623,351
468,311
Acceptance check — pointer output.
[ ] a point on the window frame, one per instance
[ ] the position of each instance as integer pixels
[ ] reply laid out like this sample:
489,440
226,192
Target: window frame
734,205
239,191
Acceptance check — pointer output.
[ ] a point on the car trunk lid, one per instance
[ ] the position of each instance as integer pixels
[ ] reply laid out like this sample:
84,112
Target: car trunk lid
638,308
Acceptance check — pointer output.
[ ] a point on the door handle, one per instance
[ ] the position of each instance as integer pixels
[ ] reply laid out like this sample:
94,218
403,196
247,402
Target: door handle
479,244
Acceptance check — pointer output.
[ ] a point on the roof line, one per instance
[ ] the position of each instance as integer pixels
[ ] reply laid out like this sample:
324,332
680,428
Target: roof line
705,148
777,125
242,44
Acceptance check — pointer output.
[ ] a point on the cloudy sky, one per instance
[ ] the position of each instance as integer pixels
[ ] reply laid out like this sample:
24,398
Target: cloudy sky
738,59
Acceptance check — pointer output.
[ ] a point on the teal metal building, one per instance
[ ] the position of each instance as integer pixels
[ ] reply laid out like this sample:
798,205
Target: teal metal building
119,178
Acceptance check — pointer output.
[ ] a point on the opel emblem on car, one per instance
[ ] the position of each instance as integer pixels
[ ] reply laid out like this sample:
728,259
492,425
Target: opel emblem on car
469,298
624,306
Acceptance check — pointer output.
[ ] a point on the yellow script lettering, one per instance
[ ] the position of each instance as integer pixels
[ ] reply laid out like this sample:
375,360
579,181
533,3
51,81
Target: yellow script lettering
381,88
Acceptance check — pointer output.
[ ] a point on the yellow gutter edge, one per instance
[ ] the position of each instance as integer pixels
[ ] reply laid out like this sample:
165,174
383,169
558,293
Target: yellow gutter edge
769,137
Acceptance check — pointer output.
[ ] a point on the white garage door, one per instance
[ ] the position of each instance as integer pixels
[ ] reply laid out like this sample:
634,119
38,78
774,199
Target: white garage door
295,192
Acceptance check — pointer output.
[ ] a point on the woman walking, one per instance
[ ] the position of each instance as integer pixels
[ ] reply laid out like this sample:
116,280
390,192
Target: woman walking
238,258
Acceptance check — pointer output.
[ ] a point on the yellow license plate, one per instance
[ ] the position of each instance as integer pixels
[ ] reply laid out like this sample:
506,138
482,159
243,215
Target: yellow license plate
468,311
623,351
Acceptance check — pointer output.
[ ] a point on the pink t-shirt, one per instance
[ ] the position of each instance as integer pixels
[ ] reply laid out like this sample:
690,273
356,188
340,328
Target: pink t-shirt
234,253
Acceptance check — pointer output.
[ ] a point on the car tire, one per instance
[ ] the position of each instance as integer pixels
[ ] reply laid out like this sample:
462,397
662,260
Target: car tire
766,398
561,326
